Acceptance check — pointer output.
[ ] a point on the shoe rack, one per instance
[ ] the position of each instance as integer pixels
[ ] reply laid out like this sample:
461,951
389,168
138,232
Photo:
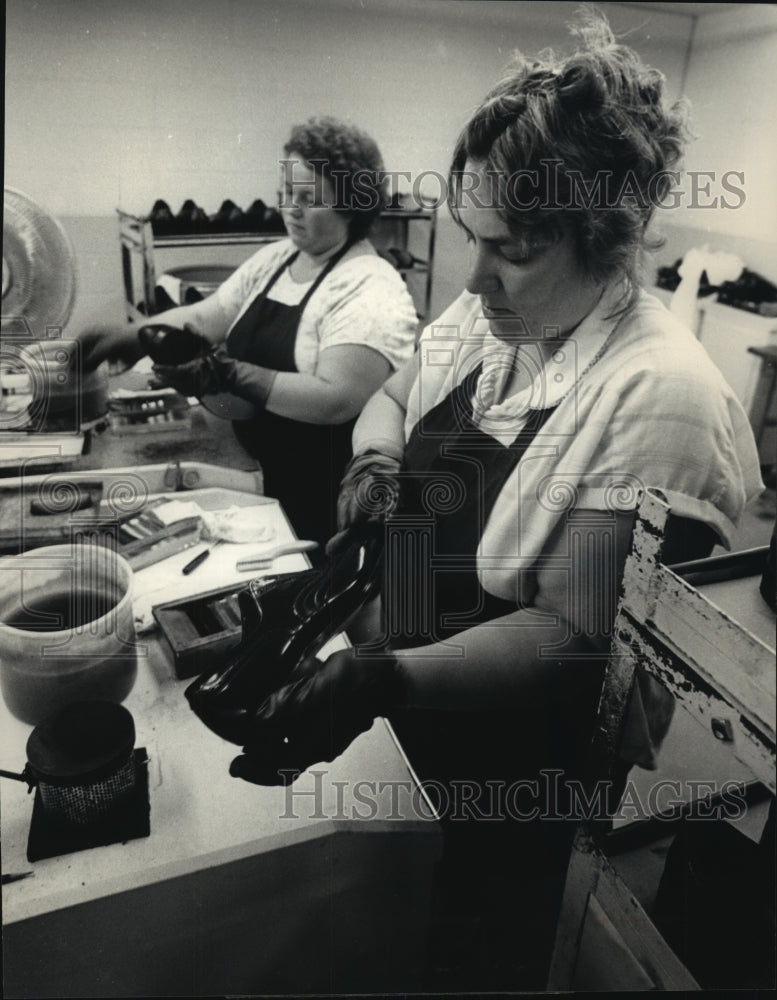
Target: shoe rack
404,236
139,245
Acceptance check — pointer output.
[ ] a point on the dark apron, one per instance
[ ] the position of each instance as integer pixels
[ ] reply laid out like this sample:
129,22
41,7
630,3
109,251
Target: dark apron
495,875
453,473
449,458
302,463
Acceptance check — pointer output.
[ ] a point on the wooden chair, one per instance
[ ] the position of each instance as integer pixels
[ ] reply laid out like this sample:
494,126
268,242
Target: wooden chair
720,673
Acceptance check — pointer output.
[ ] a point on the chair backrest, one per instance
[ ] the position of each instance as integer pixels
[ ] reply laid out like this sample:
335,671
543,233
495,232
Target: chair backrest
723,676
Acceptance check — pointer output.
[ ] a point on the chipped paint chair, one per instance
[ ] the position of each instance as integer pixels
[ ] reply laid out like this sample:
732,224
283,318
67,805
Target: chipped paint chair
720,673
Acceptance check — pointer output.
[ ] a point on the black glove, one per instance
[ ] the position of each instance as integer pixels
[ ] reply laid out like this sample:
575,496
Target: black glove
194,378
243,379
218,372
368,491
317,715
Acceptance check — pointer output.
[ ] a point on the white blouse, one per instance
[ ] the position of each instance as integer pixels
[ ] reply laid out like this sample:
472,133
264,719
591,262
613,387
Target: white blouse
638,404
363,300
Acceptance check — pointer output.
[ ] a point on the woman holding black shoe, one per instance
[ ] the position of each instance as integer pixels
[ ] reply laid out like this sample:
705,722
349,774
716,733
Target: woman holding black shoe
303,333
516,446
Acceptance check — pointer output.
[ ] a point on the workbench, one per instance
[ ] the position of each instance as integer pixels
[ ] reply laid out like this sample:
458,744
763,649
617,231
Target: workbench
321,887
202,437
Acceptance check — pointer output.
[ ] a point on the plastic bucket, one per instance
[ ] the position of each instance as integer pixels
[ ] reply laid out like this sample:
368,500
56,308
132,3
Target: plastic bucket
67,631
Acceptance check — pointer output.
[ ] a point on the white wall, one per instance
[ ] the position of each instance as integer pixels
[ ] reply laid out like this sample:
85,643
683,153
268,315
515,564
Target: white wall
119,102
113,102
732,83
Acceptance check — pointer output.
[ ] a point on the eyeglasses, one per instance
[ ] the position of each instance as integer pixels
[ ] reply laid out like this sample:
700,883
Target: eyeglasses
302,198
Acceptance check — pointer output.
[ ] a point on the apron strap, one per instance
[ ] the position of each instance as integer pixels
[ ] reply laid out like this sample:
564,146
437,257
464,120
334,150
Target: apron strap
330,264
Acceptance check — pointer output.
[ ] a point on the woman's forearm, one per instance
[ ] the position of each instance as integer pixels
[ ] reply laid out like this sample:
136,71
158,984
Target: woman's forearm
311,399
562,639
120,341
497,665
381,426
336,392
206,318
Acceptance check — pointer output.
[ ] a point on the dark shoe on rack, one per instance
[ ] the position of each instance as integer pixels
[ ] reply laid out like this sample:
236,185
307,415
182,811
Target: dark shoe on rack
162,219
192,295
395,202
163,301
191,219
254,216
285,619
749,292
229,219
273,221
401,259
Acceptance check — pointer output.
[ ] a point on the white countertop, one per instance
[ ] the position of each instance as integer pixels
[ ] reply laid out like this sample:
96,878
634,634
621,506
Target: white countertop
200,816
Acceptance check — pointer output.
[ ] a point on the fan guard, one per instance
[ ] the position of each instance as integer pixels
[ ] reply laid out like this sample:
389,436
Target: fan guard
39,275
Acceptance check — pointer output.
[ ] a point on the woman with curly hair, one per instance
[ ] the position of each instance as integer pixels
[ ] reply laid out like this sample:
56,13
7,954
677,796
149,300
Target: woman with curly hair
307,329
518,441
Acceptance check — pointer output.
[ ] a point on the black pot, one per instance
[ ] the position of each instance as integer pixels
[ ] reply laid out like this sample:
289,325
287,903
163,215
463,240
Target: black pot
81,761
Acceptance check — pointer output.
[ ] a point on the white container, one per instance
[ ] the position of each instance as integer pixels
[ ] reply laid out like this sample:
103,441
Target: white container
67,631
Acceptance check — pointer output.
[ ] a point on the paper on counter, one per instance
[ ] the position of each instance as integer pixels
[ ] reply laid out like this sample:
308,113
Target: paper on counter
165,581
176,510
233,524
238,524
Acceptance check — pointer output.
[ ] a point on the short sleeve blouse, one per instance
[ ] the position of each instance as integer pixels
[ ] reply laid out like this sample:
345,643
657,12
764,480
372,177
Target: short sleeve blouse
362,301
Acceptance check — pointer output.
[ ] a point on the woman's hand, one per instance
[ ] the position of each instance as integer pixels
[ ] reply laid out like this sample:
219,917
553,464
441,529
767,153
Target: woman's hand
194,378
109,342
217,372
317,715
370,486
172,345
368,491
121,343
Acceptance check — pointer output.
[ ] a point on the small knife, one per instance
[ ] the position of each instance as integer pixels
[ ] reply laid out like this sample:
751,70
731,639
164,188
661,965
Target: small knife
190,566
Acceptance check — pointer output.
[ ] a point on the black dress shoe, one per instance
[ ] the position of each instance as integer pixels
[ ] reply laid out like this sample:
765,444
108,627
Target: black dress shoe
229,219
273,221
254,216
192,295
285,619
169,345
748,292
163,301
401,259
162,219
396,202
191,219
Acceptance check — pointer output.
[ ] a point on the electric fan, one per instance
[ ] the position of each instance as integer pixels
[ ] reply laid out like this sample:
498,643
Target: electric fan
39,283
43,387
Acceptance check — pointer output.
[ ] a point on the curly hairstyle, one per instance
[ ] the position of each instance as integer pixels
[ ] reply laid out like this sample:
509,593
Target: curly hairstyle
587,140
350,160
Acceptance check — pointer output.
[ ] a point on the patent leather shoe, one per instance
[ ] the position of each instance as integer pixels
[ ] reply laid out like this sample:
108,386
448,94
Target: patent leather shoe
285,619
